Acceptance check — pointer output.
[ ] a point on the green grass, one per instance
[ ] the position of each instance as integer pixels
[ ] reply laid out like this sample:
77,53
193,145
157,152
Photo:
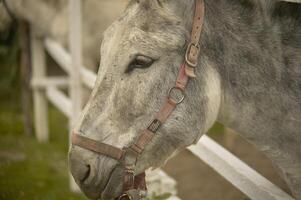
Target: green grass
217,129
29,170
32,170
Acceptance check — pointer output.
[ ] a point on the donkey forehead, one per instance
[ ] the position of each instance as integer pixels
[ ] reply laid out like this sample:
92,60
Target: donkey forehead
157,40
151,31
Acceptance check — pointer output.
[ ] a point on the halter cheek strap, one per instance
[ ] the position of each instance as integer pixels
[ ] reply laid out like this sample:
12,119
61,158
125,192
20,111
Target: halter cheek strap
134,186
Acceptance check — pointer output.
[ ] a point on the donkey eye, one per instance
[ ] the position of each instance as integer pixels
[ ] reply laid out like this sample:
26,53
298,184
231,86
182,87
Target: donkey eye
140,62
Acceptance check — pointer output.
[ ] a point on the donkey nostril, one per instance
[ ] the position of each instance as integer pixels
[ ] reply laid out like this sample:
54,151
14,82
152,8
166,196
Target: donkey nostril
86,175
79,169
81,172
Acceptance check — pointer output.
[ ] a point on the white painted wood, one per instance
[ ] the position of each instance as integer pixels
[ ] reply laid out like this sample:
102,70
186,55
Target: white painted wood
63,58
59,54
88,77
237,172
59,100
39,97
54,81
75,44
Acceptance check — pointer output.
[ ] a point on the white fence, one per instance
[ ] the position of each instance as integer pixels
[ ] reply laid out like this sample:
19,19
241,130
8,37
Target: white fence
46,88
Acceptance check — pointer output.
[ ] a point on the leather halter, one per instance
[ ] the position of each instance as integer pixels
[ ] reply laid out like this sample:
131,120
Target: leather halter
134,186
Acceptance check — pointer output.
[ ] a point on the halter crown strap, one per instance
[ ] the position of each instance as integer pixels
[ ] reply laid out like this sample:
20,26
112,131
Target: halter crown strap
193,50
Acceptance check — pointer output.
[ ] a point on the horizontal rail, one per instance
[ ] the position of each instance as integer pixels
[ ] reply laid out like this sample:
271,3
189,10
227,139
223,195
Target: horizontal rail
61,82
63,58
59,54
60,100
236,171
88,77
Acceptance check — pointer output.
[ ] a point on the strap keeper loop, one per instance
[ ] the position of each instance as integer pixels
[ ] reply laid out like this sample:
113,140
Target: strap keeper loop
192,55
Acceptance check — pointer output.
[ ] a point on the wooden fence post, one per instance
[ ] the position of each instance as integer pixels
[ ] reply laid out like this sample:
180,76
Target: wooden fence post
39,95
75,44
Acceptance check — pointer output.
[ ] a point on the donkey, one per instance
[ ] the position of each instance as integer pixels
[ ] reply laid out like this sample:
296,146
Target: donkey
248,78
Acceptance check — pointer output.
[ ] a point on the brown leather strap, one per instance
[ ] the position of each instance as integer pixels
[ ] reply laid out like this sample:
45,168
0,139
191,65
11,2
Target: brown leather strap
142,141
166,111
145,138
97,147
193,50
139,183
182,79
198,22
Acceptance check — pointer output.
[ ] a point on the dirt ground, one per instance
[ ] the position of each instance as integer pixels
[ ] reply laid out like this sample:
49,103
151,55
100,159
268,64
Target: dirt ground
196,180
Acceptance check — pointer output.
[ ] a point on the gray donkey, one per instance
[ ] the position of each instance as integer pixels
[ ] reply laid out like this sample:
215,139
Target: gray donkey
248,78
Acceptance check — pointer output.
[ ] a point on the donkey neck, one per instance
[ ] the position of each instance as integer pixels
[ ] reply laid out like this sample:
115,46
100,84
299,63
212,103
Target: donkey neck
239,41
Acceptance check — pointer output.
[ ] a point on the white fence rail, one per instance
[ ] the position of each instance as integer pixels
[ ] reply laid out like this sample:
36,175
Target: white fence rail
242,176
46,88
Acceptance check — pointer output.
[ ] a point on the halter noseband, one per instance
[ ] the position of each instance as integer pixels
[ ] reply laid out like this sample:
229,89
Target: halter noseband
134,186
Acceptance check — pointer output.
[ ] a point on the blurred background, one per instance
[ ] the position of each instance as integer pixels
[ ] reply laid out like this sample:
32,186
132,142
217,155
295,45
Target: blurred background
32,170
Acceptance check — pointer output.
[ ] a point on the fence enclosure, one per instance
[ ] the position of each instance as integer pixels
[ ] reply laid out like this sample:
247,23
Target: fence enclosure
47,89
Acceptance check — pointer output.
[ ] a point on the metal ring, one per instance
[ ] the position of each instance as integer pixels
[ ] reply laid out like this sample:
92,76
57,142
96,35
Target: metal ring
124,196
175,88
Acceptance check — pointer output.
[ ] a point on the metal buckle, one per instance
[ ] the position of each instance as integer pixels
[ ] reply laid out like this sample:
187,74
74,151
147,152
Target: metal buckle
154,126
188,51
179,99
125,195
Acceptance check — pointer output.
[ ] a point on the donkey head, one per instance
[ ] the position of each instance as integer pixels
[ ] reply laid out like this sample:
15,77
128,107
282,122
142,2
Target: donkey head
141,56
